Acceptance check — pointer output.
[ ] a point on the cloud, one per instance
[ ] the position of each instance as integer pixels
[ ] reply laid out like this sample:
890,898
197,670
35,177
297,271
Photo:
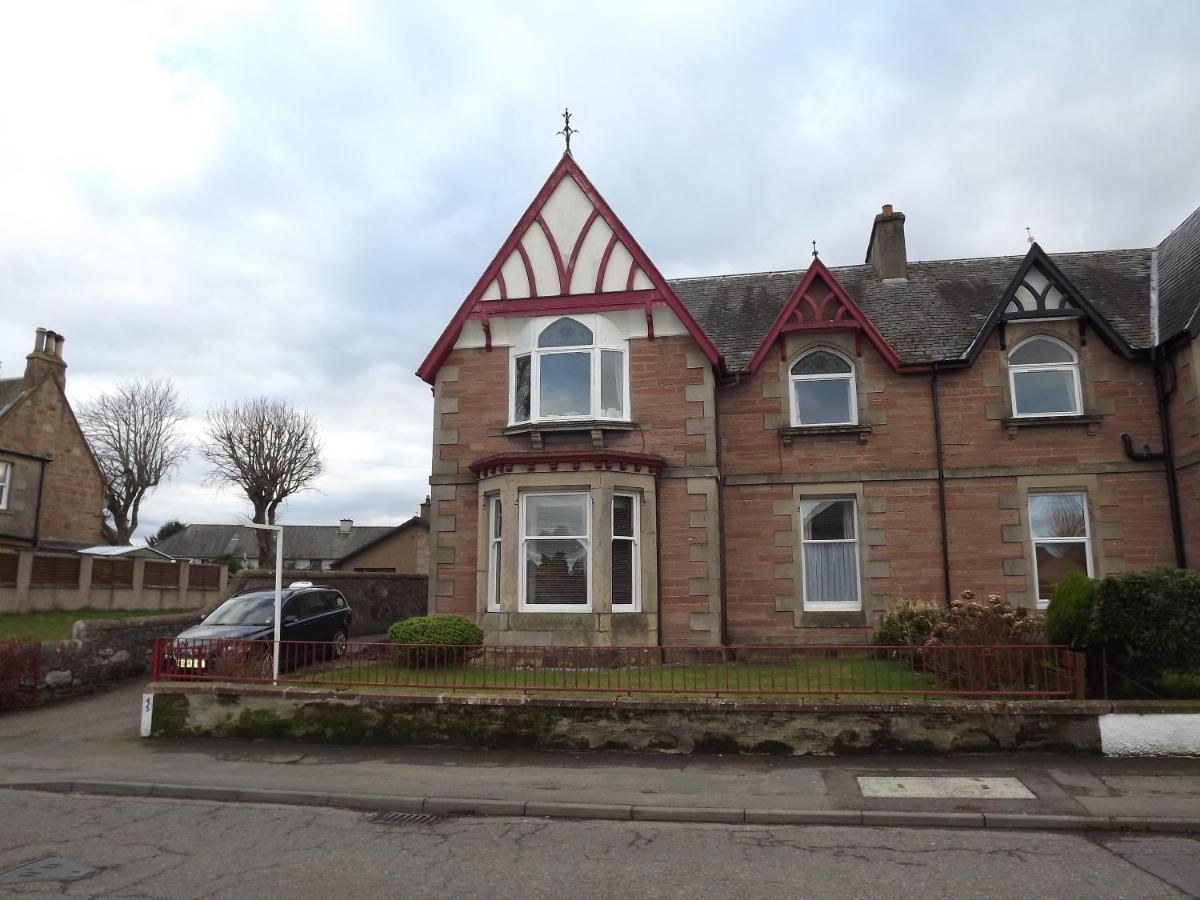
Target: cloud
291,199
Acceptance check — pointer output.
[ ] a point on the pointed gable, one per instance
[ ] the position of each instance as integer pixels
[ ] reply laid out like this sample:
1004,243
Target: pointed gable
569,246
1041,290
820,302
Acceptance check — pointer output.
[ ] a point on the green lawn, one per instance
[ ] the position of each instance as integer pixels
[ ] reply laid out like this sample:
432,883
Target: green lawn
811,677
56,625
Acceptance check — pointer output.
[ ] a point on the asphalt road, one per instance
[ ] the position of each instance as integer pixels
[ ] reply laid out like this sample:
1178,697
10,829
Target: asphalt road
191,849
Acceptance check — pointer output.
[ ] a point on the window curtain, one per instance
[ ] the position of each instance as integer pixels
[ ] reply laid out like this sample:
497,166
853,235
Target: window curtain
830,573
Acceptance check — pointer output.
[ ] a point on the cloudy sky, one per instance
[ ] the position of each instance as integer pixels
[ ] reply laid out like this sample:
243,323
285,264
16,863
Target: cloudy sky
292,198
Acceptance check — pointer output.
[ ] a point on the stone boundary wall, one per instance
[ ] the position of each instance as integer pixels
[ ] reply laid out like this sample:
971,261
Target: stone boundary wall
377,599
100,652
672,726
44,582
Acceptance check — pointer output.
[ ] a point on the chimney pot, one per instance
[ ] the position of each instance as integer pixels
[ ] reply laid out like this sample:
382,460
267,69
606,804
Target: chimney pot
887,209
39,340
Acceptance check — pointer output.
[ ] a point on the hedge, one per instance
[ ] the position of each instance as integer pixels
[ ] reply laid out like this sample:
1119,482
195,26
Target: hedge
1149,624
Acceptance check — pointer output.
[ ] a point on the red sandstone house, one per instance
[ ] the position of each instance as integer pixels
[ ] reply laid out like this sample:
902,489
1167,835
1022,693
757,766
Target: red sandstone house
51,490
620,459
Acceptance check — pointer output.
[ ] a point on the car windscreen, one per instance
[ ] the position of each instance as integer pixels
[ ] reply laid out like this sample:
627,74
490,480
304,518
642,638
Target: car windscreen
255,609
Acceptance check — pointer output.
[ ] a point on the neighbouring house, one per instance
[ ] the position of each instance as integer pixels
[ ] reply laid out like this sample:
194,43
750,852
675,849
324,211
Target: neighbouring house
51,489
622,459
315,547
403,549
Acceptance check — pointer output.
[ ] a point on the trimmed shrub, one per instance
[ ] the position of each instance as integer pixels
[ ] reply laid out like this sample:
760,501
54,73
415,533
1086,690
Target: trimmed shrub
907,622
1068,617
1149,624
447,632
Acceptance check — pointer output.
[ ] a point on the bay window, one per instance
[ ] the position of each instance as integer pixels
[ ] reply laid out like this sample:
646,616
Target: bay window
1058,527
829,545
571,368
556,530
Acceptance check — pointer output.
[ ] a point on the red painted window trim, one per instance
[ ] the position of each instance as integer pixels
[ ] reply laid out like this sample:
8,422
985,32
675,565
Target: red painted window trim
499,463
857,321
567,167
568,303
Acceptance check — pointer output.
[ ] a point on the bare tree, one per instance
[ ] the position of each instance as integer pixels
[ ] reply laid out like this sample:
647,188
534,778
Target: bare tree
134,435
267,448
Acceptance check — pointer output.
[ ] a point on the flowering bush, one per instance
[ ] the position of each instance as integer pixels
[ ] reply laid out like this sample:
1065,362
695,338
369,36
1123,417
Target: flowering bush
993,623
971,622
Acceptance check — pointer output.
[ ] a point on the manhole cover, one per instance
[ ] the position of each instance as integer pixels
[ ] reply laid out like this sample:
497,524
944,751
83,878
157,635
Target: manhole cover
399,818
52,868
925,788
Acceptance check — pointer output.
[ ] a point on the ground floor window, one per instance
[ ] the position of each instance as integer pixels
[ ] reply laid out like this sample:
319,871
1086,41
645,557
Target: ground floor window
625,557
495,527
1058,527
556,537
829,542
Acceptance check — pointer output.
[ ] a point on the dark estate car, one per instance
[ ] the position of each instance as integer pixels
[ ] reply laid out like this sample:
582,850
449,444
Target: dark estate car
237,634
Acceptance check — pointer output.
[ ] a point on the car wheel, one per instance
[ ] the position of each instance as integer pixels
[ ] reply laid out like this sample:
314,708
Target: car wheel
339,643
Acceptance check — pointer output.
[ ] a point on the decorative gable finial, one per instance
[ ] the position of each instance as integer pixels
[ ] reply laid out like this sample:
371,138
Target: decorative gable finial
816,252
567,130
1029,238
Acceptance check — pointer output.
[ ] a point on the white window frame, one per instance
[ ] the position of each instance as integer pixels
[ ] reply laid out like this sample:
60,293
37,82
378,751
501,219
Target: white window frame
1086,540
6,479
602,340
819,605
495,547
635,552
1019,368
522,605
851,377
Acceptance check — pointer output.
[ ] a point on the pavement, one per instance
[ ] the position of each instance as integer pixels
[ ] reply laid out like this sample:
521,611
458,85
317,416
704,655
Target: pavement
90,746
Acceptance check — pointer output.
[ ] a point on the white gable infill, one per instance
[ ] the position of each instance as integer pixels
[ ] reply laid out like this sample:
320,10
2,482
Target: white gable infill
568,253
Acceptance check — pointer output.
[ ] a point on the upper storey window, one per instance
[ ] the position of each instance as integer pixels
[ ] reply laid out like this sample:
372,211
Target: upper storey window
1044,378
823,390
575,368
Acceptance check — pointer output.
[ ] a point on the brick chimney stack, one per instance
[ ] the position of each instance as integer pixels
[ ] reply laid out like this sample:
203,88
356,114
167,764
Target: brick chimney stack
886,250
425,510
46,359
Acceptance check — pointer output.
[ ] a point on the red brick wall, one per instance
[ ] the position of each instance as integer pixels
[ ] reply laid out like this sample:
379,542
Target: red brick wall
1185,432
73,494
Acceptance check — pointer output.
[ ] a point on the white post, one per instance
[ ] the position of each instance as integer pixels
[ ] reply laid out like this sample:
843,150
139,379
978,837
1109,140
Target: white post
278,529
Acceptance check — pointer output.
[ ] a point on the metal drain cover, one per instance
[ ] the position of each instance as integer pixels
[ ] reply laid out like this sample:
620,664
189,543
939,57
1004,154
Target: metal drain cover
400,818
51,868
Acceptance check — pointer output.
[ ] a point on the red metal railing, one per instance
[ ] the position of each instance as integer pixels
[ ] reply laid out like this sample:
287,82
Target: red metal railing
1020,671
20,668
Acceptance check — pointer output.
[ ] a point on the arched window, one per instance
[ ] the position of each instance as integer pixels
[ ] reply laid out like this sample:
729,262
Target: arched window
1043,378
571,371
823,390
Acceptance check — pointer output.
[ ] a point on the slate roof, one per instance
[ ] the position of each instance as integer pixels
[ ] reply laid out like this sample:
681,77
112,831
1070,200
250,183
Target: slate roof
299,541
935,314
1179,278
10,390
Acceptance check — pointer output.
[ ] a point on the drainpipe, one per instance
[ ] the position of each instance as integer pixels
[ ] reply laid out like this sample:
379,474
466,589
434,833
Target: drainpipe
1164,366
941,478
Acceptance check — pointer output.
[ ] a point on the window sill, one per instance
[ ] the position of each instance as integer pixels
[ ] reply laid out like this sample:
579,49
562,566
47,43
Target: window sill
597,427
1014,424
792,433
